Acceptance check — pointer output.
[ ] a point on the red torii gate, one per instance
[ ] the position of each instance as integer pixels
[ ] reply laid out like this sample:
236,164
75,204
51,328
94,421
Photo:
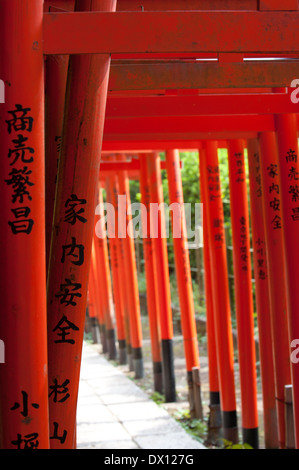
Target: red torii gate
141,60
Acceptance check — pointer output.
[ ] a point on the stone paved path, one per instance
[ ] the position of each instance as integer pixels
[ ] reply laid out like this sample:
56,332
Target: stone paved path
113,413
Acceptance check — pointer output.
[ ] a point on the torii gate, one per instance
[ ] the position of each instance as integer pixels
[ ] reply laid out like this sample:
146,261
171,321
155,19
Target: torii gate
151,51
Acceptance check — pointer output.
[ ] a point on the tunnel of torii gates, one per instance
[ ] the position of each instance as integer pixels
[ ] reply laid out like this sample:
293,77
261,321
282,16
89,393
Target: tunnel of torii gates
95,90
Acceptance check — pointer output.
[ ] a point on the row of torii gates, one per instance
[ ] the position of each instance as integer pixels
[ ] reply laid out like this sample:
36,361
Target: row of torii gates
119,78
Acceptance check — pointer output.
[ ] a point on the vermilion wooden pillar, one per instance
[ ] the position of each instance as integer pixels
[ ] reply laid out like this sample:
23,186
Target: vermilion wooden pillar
104,283
214,424
94,304
90,302
243,290
183,274
209,173
74,216
287,138
118,264
276,271
96,317
23,326
56,68
151,288
158,235
262,296
130,271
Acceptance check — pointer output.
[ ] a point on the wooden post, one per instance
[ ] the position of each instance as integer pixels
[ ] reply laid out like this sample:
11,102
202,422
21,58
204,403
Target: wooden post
158,235
130,270
74,216
199,274
289,417
209,173
262,296
184,281
56,68
276,271
151,297
102,278
118,267
243,290
101,246
215,421
229,254
23,321
288,161
94,304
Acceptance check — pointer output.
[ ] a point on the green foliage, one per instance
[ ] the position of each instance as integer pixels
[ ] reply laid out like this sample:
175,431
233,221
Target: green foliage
157,398
182,414
142,283
202,339
230,445
190,176
197,427
135,191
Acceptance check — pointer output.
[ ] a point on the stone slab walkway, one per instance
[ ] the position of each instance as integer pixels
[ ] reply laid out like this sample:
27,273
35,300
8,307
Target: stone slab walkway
113,413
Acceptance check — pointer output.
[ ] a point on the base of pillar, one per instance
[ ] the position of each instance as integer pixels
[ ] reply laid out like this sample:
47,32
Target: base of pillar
168,370
95,331
251,437
215,420
103,339
112,352
158,377
138,363
197,393
130,362
191,395
122,352
230,427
